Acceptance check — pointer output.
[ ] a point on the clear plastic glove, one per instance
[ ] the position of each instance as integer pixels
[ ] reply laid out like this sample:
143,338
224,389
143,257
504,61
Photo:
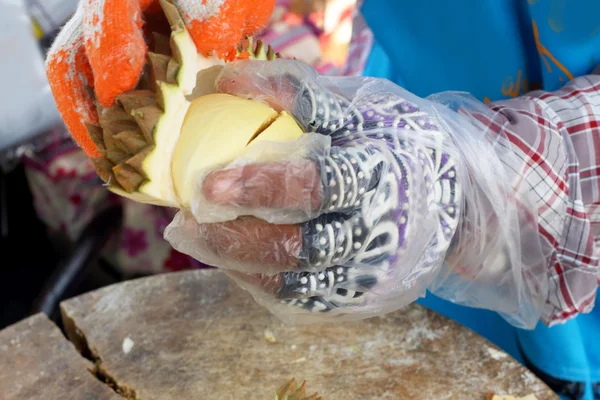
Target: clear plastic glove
358,216
101,51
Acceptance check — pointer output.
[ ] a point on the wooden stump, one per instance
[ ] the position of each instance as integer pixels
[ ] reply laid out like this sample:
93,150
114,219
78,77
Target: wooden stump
193,335
38,363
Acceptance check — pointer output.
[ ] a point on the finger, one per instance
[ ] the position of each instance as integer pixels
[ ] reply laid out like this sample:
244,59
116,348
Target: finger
254,245
115,46
218,26
149,5
271,288
283,84
258,15
294,184
251,245
253,80
71,81
339,181
322,291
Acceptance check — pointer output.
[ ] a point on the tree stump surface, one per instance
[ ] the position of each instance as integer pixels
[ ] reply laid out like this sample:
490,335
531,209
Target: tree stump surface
194,335
38,363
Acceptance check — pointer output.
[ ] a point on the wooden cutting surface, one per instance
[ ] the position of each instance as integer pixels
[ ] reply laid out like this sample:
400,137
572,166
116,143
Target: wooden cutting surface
193,335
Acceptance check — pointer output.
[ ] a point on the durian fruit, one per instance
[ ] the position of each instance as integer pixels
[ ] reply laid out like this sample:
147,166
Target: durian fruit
158,138
291,391
498,397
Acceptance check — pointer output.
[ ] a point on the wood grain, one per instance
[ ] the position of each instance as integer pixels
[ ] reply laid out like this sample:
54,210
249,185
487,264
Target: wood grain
193,335
38,363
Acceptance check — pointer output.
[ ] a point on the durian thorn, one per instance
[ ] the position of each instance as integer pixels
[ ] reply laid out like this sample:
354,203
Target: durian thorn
162,44
302,387
314,396
129,179
256,50
288,386
159,64
136,99
117,156
172,70
131,141
147,118
96,134
107,137
137,161
173,16
103,167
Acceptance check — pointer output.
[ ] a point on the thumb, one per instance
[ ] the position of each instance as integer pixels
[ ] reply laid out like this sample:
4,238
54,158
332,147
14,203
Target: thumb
279,83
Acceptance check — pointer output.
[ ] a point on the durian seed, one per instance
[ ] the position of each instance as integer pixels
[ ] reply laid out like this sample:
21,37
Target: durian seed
172,70
97,135
116,156
137,161
127,177
136,99
161,44
130,141
159,65
147,118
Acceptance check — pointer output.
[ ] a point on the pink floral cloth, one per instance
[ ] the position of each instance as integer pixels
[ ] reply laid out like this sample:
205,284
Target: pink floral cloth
68,193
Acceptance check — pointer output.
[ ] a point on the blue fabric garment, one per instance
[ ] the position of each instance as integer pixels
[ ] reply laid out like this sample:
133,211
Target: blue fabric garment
496,50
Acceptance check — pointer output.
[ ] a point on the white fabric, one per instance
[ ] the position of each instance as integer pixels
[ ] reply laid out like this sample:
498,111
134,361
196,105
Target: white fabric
27,106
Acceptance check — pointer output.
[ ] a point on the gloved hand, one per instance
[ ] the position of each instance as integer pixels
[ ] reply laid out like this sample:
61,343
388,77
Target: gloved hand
102,50
359,215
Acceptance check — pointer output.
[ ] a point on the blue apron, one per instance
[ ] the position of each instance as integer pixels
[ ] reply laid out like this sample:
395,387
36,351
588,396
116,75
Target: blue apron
496,49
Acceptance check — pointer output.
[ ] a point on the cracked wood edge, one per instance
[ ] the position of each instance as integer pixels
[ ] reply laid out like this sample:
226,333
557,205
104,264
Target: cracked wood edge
176,315
38,363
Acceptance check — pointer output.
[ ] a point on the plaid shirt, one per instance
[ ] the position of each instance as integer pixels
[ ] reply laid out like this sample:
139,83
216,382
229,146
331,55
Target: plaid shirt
557,138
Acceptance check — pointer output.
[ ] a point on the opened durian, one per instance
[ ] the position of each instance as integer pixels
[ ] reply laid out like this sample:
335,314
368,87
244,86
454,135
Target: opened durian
291,391
156,139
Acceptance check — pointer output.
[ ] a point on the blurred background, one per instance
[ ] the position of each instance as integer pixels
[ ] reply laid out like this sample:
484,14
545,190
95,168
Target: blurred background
61,232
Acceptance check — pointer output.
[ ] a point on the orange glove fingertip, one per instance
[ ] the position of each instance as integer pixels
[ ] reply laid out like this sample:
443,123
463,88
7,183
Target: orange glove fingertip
68,72
115,47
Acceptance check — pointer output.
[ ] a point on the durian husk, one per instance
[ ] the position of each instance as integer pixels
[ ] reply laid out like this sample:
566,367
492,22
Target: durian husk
125,134
292,391
493,396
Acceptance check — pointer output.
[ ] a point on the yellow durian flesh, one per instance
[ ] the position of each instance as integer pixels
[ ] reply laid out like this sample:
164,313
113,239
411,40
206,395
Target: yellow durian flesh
217,129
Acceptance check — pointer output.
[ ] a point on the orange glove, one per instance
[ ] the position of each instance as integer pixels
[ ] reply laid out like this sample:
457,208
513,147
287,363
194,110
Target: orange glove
103,49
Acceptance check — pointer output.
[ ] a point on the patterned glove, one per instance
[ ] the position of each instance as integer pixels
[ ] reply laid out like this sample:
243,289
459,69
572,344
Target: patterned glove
358,216
103,49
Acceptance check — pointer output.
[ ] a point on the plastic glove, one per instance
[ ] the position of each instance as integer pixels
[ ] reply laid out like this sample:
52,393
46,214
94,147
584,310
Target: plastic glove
101,51
359,215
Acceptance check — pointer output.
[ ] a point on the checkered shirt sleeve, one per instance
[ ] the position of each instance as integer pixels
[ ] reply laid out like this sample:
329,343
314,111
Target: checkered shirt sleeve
556,137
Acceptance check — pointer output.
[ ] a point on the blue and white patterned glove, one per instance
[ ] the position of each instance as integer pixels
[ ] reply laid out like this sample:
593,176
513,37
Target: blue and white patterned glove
357,217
